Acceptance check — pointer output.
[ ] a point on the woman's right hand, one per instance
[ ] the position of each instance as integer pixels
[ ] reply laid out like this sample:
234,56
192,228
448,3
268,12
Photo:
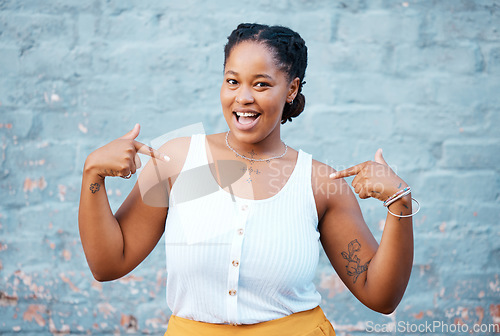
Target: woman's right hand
119,157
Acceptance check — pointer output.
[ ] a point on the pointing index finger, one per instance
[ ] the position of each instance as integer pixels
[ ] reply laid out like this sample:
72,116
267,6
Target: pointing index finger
354,170
150,151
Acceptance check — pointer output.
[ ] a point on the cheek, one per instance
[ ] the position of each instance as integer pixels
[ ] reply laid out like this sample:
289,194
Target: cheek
225,96
276,103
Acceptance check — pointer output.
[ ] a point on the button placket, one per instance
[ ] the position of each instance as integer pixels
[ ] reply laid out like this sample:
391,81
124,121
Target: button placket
234,263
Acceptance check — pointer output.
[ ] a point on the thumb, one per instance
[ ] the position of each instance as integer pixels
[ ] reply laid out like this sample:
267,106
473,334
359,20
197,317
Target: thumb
379,158
133,133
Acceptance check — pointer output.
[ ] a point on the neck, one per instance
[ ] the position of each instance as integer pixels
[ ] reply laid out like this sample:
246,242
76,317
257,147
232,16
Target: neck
270,146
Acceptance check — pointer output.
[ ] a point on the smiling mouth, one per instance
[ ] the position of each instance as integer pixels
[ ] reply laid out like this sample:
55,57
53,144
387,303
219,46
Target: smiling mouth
246,117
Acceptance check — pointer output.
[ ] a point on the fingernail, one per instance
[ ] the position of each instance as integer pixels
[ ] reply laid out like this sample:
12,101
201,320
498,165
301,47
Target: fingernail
332,175
166,158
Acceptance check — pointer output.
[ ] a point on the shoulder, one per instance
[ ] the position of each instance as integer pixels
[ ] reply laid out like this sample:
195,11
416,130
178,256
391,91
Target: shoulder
157,171
176,145
327,191
177,150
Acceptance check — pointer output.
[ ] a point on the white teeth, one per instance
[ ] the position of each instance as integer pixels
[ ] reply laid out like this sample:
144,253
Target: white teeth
246,114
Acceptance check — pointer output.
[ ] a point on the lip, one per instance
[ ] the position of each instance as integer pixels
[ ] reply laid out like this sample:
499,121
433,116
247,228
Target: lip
245,127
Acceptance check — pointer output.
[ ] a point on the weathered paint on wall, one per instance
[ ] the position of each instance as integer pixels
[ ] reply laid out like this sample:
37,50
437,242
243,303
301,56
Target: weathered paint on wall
417,78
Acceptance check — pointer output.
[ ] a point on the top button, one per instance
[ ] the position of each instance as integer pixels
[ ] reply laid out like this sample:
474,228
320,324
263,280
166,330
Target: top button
244,207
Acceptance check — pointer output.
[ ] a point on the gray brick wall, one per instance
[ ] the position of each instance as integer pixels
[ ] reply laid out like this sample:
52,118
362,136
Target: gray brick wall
421,79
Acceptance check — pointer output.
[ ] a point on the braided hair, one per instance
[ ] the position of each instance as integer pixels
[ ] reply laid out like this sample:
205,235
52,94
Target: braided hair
289,51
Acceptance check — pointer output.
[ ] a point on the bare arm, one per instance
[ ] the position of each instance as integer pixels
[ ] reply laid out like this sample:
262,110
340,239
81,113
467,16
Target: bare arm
114,245
376,275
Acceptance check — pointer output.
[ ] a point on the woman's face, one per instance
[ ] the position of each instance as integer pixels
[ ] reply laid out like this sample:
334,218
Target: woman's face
254,92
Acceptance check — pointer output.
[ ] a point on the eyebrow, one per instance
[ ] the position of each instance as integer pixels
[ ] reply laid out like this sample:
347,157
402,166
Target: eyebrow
234,73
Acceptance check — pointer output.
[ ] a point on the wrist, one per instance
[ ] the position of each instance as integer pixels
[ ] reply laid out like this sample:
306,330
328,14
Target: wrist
90,170
400,202
404,201
397,195
391,192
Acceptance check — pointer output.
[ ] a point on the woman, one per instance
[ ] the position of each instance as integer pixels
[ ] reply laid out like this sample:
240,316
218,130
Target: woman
241,257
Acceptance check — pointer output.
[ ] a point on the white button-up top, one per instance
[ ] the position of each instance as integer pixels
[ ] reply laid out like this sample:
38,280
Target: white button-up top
236,261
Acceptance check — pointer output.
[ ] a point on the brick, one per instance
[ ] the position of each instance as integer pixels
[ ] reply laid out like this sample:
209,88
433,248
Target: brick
447,252
442,6
28,284
48,59
437,58
474,286
26,31
37,93
405,154
378,89
44,159
475,185
345,57
103,93
451,121
39,187
10,60
58,224
370,121
77,318
24,318
162,60
380,27
471,154
468,25
324,29
16,124
55,7
467,91
492,120
151,318
492,60
215,29
441,218
59,126
320,89
130,26
425,278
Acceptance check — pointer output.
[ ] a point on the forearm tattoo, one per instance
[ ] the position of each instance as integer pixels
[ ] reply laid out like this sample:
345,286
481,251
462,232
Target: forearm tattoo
94,187
353,267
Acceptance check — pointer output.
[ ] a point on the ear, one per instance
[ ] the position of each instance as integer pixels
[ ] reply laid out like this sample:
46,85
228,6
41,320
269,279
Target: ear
293,90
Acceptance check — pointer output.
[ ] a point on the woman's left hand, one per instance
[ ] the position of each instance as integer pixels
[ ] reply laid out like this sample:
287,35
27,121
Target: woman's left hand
373,178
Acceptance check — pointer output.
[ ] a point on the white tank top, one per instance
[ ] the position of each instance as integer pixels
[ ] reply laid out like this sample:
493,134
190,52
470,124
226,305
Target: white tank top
232,260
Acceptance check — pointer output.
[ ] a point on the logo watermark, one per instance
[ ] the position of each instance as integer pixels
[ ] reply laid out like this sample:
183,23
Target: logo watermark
431,327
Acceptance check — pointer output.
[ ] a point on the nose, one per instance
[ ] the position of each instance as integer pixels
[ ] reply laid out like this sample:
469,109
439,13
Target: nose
244,96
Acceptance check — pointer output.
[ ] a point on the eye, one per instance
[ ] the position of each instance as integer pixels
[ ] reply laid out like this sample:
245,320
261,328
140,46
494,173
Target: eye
231,81
262,84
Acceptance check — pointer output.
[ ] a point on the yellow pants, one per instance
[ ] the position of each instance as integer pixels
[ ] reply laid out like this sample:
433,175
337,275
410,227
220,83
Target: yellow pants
306,323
